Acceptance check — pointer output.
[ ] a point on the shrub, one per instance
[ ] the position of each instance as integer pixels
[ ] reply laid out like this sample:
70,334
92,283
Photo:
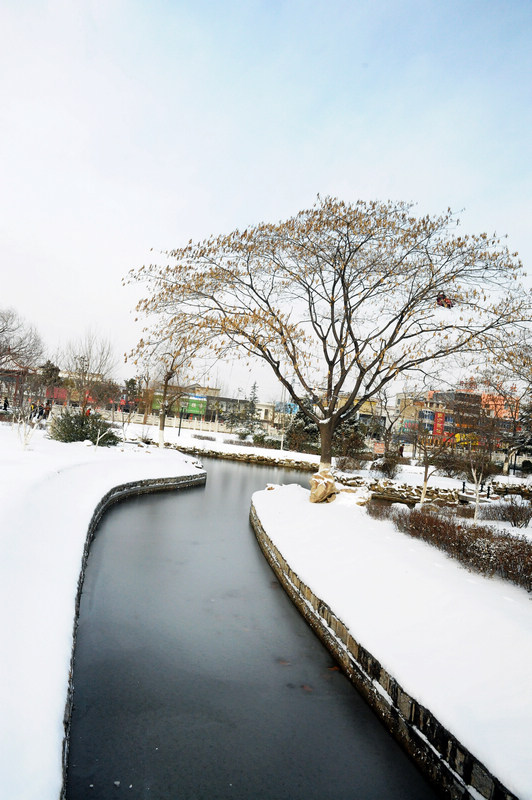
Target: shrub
515,510
450,463
74,426
273,444
303,436
349,463
476,546
526,466
145,436
388,465
380,509
348,440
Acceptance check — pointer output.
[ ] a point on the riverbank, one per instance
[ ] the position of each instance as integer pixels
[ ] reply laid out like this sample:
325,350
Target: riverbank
457,643
49,494
51,497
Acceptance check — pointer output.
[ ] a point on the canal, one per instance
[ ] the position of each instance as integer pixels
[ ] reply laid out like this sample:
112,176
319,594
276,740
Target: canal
195,676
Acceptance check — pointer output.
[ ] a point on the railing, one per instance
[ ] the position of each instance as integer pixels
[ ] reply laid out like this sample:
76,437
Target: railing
174,422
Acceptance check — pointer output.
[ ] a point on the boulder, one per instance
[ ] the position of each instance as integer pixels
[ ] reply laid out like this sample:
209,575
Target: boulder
322,487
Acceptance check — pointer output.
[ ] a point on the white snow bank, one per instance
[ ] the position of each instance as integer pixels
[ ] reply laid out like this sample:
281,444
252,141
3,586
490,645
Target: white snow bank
48,494
217,442
460,643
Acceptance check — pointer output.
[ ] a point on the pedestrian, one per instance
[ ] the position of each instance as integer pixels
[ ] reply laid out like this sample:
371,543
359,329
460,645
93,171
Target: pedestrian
6,404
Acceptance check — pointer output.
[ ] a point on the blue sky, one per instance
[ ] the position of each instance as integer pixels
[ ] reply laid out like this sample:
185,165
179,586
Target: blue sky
129,125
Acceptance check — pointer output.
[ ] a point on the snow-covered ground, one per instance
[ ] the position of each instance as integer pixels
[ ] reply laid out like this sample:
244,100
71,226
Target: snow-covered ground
461,644
48,494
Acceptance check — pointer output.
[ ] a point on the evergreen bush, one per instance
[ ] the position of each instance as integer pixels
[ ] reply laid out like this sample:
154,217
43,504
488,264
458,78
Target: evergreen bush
74,426
303,436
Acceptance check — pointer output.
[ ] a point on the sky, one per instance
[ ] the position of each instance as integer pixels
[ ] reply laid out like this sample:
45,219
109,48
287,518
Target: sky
128,128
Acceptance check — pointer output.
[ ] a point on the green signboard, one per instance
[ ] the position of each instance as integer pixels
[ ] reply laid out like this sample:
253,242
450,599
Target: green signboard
195,405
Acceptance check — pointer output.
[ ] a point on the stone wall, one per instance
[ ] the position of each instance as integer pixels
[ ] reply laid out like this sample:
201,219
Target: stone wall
450,767
250,458
114,496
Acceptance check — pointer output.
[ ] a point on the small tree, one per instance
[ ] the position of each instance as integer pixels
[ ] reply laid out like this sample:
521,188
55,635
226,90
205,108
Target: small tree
133,387
20,343
43,380
349,444
171,355
249,417
507,381
477,432
303,435
431,452
88,363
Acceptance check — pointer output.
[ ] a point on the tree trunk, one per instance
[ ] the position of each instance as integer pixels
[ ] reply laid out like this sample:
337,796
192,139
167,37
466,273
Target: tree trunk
507,460
477,501
326,434
425,484
477,478
162,420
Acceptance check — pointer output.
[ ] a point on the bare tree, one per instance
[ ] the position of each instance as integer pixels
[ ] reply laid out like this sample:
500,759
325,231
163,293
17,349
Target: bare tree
387,413
507,379
21,347
88,363
174,357
477,434
341,299
430,449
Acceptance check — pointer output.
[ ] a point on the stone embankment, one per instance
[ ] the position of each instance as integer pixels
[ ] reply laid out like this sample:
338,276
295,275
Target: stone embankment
453,769
400,492
249,458
512,488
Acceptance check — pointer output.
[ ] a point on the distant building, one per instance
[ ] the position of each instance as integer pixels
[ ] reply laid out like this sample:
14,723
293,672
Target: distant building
444,413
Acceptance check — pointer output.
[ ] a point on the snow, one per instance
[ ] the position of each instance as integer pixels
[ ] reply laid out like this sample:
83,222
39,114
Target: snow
460,643
217,442
48,494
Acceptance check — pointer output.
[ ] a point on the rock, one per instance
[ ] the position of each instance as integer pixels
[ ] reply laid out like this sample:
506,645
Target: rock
322,487
360,494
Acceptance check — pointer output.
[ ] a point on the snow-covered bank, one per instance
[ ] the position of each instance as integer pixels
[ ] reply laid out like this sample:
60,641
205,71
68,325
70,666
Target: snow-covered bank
48,495
412,597
459,643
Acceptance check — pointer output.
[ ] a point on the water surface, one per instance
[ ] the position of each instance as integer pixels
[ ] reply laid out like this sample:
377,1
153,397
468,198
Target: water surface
195,676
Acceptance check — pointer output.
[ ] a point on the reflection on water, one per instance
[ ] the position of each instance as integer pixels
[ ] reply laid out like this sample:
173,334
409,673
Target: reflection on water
195,677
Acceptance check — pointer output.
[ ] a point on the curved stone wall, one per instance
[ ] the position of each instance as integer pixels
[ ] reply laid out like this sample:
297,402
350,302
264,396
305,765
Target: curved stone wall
113,496
453,770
